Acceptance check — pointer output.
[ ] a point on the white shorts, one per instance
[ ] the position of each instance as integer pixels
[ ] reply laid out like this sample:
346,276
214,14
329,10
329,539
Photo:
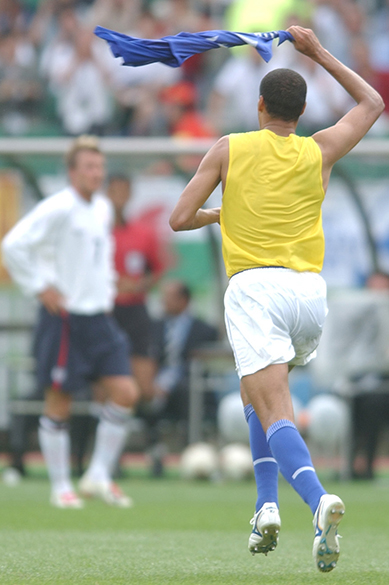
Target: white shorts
274,316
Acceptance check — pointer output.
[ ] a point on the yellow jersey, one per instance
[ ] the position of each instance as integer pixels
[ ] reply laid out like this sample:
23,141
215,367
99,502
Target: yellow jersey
271,206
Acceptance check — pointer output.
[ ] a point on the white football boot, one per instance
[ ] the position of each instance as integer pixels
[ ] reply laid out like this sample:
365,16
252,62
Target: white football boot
66,500
108,491
266,526
329,513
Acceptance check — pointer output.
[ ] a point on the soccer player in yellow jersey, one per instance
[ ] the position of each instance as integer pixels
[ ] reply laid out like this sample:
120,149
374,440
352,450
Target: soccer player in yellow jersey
273,184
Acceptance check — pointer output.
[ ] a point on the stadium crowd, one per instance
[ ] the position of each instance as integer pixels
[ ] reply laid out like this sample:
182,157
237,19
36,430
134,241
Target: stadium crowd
57,78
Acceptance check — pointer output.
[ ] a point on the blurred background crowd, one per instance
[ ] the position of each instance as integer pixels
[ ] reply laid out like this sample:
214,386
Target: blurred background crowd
57,78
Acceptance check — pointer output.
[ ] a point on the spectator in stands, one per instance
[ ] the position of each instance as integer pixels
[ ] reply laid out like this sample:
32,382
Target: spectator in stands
13,16
141,257
119,15
178,15
61,252
137,89
175,335
230,108
21,90
74,65
184,119
336,22
47,20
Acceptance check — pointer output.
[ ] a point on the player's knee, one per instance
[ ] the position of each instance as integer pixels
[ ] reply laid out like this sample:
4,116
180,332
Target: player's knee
125,392
57,404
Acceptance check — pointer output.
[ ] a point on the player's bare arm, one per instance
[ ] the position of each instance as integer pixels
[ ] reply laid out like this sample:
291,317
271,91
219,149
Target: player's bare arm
339,139
187,214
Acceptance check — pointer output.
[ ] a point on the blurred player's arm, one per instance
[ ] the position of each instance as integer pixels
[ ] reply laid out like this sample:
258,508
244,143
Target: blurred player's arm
339,139
19,249
187,214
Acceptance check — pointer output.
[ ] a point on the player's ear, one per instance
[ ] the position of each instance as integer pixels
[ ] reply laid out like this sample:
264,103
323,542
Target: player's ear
261,104
303,110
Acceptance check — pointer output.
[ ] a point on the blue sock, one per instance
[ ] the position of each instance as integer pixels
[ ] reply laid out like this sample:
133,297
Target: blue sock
292,455
265,466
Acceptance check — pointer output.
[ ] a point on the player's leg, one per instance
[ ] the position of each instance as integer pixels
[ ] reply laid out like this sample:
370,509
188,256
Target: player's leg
54,440
52,348
266,521
269,393
121,394
273,318
111,435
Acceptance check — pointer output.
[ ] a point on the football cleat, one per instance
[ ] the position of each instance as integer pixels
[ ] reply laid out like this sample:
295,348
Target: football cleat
326,550
108,491
266,527
68,500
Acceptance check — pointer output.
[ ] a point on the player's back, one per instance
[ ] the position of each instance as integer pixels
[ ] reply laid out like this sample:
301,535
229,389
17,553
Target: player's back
271,209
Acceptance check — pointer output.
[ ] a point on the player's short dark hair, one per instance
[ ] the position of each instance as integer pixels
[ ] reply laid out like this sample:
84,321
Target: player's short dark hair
284,92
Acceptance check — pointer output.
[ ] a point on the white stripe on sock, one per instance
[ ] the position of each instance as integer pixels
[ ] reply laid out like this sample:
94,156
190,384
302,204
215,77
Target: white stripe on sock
265,460
300,470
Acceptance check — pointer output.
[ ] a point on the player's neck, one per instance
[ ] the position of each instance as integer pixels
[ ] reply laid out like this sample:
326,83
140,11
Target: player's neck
119,219
276,125
279,127
86,195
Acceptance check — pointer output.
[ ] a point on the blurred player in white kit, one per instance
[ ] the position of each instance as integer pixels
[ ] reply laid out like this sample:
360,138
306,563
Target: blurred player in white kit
62,252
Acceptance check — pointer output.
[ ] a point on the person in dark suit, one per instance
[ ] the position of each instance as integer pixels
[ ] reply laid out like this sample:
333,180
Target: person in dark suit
174,336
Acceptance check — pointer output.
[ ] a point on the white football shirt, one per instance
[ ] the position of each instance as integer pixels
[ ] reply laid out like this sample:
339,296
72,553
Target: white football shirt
65,242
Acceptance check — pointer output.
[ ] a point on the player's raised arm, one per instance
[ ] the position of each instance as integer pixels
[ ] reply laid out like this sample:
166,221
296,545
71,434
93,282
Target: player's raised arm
187,214
339,139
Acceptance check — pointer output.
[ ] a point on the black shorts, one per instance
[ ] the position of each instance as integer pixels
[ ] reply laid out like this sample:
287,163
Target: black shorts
72,350
136,323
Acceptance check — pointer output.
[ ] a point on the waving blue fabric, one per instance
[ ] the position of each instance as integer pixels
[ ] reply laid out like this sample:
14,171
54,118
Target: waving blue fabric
174,50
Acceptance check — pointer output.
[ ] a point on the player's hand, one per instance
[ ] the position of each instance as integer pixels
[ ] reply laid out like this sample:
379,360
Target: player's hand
305,41
52,300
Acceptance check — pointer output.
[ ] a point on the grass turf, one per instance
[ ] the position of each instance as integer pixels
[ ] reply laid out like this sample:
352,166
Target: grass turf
184,533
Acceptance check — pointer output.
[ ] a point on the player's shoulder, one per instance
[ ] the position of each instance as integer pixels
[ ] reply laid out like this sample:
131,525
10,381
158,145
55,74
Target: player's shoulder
221,146
57,203
104,207
101,200
312,143
245,137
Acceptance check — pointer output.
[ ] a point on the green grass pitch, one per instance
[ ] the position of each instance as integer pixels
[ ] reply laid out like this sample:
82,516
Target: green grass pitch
184,533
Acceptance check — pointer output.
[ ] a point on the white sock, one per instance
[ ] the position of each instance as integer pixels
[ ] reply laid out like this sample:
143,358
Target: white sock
111,435
54,441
